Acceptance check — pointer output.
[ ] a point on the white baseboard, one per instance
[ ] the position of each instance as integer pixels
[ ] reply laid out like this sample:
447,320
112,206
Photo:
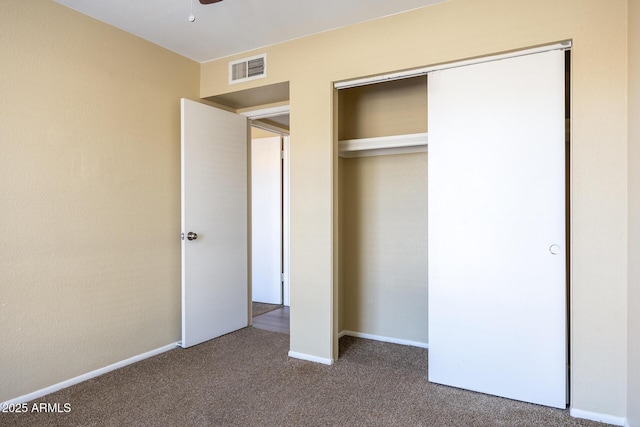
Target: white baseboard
310,358
64,384
383,339
594,416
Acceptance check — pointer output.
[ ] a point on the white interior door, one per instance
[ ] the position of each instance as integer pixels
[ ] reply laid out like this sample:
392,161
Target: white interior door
214,206
497,284
266,220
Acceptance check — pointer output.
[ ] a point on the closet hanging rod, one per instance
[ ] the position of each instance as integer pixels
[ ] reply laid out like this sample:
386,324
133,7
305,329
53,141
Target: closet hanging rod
383,145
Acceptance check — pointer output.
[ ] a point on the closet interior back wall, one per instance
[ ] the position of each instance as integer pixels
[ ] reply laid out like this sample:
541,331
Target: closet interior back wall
383,216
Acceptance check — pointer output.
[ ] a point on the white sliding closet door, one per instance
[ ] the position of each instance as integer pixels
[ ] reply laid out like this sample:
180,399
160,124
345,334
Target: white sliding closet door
497,314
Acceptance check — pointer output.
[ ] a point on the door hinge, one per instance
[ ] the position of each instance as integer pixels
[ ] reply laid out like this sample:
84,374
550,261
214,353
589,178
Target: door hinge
282,277
282,154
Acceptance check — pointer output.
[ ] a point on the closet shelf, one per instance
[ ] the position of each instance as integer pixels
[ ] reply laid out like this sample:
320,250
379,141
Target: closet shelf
384,145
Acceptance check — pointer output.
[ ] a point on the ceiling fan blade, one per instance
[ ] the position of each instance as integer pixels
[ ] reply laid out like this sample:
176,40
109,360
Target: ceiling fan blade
209,1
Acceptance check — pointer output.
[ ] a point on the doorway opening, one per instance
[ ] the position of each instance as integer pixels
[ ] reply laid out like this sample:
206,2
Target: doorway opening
267,109
382,210
269,147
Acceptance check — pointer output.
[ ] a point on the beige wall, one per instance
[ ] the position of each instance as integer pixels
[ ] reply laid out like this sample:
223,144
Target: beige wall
633,386
385,109
451,31
385,246
90,209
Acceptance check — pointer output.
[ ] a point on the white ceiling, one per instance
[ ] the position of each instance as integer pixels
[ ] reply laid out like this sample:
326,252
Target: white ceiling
234,26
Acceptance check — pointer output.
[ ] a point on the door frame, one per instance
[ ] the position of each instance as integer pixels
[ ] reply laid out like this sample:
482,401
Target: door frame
264,113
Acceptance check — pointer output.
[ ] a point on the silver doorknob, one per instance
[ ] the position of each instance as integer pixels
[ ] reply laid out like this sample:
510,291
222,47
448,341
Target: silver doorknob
191,236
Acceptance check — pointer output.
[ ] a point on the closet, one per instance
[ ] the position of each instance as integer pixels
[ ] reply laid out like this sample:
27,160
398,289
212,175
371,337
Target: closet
383,211
481,277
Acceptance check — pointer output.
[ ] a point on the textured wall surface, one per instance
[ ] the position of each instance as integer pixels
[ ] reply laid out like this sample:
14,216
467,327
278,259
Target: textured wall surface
387,109
90,206
385,246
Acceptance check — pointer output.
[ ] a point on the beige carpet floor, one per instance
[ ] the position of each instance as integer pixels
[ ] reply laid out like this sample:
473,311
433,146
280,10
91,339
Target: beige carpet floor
246,379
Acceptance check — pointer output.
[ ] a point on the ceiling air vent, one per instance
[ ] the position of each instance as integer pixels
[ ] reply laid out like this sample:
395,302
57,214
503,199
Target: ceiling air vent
248,69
